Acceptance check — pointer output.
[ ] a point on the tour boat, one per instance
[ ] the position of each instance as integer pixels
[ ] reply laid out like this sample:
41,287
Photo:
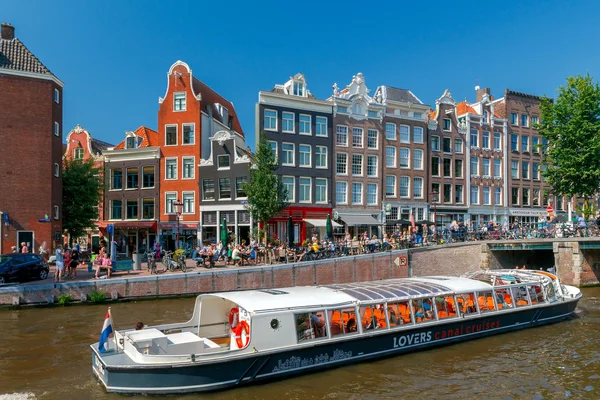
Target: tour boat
237,338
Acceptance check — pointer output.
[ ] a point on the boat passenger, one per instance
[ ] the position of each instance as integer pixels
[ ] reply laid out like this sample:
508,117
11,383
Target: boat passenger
318,325
351,325
139,326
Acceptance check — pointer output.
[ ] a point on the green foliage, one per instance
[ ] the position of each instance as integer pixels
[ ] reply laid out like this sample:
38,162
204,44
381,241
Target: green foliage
97,296
65,299
178,253
571,124
82,192
266,194
588,210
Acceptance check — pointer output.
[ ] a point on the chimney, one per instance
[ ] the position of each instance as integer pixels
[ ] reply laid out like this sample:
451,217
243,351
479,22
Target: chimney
7,32
479,93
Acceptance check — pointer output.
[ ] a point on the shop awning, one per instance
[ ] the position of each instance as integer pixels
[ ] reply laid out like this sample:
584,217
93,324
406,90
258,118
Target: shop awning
355,220
321,223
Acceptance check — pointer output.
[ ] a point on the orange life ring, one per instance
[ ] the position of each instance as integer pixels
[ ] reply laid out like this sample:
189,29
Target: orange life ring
242,326
234,317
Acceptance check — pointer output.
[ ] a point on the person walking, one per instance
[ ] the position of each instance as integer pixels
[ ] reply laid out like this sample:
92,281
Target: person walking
60,264
24,248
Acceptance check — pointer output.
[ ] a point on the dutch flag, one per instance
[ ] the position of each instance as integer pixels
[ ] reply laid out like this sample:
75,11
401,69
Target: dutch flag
107,330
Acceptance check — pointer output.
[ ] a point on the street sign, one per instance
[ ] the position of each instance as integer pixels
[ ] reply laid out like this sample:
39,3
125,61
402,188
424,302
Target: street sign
43,219
549,209
397,261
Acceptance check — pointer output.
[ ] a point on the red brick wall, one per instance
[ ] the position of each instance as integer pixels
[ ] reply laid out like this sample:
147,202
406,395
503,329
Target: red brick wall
450,260
28,188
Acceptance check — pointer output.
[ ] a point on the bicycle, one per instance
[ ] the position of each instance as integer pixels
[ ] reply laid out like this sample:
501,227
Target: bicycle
152,267
179,258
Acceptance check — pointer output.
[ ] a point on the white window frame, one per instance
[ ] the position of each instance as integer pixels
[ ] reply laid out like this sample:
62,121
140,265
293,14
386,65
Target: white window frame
362,164
438,143
422,135
440,166
451,167
483,136
309,165
325,156
489,196
512,163
362,137
166,204
370,184
489,167
370,156
183,168
386,131
460,149
500,168
336,164
400,157
407,196
317,180
395,186
376,139
269,118
526,121
193,202
300,123
360,184
176,134
499,202
184,101
309,189
293,163
345,184
56,129
415,152
219,164
336,135
56,170
514,118
395,157
415,194
57,212
474,173
167,159
476,188
276,148
283,119
461,170
317,124
56,96
293,198
499,141
449,124
407,133
462,194
193,125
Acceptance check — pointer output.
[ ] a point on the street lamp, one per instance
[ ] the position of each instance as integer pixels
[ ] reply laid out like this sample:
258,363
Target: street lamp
178,206
434,200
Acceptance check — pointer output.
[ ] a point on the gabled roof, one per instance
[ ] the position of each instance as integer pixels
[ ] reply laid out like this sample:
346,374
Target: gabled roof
281,90
404,95
463,107
210,98
14,55
149,138
98,146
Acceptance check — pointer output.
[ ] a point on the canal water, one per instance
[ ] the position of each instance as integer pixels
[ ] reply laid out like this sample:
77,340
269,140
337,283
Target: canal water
44,354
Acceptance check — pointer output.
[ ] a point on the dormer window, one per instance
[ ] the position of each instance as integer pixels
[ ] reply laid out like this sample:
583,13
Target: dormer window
299,89
223,112
485,116
78,153
133,142
357,109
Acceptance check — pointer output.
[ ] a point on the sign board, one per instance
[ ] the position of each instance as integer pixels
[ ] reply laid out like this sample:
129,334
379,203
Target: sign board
549,209
43,219
110,228
6,219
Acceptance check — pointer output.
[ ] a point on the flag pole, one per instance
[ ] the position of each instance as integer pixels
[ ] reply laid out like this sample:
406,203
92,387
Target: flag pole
114,330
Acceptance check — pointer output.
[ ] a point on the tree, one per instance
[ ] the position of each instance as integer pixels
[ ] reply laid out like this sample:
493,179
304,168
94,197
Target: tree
266,194
571,125
82,192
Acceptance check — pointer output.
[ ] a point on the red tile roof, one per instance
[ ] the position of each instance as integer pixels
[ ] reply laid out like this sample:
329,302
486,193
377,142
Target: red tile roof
431,115
210,98
150,138
463,107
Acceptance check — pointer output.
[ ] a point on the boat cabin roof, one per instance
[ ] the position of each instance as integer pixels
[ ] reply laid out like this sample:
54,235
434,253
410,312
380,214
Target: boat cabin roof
345,294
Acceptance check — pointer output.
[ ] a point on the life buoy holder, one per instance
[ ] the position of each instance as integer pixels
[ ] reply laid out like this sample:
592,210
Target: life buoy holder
234,317
241,327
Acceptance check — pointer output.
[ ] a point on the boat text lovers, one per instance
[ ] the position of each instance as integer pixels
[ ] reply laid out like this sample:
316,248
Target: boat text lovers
424,337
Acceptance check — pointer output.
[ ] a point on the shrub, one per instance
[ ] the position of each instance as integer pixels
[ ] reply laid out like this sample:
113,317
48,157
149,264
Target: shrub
65,299
97,296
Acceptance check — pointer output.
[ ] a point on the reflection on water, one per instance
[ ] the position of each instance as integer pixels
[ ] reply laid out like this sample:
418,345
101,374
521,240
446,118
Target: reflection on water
44,354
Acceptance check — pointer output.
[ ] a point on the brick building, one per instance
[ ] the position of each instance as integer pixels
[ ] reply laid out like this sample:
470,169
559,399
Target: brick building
358,126
31,151
448,158
189,114
404,155
298,128
132,171
82,146
527,197
486,165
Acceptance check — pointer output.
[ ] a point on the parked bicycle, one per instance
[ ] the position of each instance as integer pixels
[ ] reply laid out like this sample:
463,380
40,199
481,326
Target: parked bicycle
173,261
152,266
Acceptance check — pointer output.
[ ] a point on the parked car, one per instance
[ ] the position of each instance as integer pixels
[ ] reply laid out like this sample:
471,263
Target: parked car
16,267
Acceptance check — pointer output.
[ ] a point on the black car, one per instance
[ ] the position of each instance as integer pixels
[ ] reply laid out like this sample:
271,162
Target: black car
21,267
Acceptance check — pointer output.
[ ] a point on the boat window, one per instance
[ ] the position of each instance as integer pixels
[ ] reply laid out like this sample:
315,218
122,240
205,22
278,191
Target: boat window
519,294
372,317
536,294
503,298
466,303
550,291
445,307
342,321
399,314
485,300
423,309
310,325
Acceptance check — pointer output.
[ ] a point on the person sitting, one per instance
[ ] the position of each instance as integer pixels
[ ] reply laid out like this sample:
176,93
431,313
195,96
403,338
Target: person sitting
235,255
196,256
317,324
106,264
351,325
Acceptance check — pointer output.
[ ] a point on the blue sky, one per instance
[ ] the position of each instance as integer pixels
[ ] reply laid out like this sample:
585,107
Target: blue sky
114,55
